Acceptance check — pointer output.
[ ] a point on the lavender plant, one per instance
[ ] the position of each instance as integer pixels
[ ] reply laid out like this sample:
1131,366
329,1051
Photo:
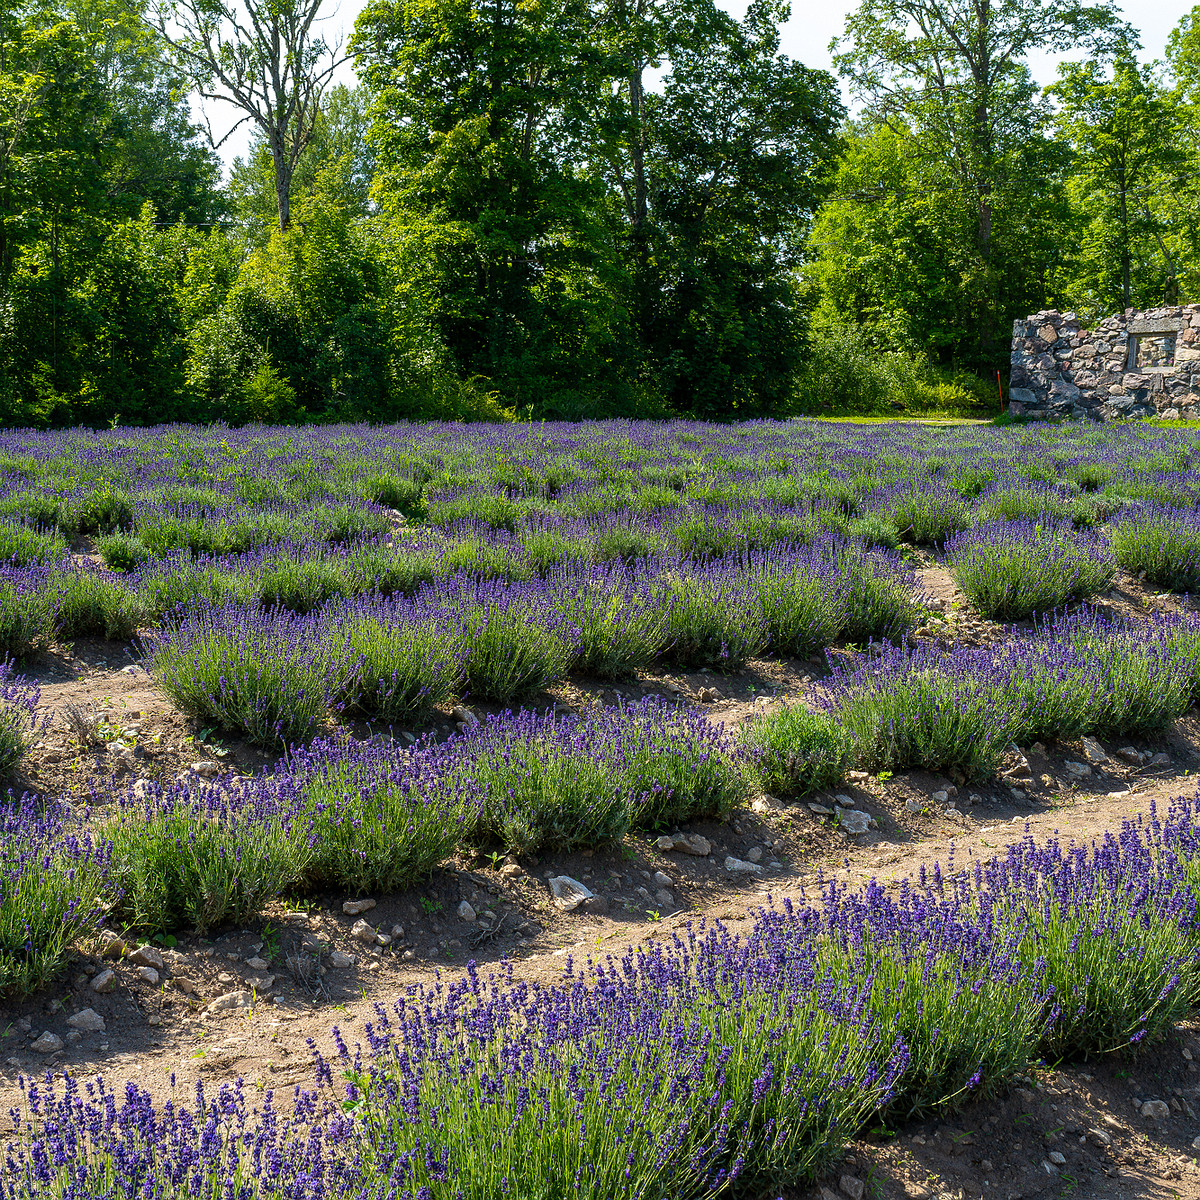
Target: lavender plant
1013,569
1161,543
795,751
196,857
268,676
51,887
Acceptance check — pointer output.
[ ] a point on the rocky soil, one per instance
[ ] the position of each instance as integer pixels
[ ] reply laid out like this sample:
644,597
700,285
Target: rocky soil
246,1003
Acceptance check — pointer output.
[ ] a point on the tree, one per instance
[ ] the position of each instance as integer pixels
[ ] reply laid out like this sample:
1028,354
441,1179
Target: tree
950,72
739,139
1124,131
263,58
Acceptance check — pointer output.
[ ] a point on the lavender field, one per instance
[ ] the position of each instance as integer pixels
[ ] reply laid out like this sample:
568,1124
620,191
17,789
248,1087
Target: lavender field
403,622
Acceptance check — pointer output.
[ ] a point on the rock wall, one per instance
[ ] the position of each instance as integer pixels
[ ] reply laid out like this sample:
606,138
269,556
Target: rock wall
1138,364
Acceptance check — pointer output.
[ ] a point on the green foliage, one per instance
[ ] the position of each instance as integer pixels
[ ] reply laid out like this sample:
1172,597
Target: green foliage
91,605
795,751
178,866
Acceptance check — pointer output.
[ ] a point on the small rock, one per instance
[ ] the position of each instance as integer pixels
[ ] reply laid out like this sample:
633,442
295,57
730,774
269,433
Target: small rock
1077,770
362,931
397,932
1130,755
147,956
186,986
384,939
511,871
1100,1137
1093,751
256,963
230,1001
105,982
261,983
754,854
1049,1167
857,776
851,1187
355,908
464,716
596,905
48,1043
112,946
662,879
737,867
844,800
206,769
147,975
341,960
765,804
568,893
1156,1110
822,810
466,912
913,806
1160,760
664,898
854,821
87,1020
1058,1158
708,695
940,797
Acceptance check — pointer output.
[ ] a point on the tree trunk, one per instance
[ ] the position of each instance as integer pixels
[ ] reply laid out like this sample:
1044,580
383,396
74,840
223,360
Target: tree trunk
283,184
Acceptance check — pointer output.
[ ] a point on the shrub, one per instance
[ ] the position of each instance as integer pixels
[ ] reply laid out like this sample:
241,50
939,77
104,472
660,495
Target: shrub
716,614
623,624
878,593
197,858
926,516
122,551
51,884
105,509
27,612
373,822
516,641
91,605
1161,543
268,677
922,709
1010,570
21,546
801,595
399,664
795,751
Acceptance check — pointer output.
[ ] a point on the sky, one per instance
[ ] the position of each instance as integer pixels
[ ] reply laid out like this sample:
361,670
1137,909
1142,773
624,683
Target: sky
806,37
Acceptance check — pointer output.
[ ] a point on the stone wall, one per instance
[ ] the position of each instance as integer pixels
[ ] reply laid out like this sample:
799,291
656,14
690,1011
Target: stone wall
1137,364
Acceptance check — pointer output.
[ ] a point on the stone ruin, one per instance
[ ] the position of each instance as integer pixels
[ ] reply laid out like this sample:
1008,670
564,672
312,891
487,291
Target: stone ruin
1137,364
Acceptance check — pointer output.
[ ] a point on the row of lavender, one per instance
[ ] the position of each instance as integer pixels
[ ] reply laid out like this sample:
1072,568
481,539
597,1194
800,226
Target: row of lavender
378,816
564,491
713,1065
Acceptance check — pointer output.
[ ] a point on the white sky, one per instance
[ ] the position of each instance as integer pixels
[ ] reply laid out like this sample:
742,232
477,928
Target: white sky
806,37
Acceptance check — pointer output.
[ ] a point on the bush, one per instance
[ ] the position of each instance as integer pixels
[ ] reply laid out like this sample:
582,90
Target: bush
802,598
19,720
1010,570
374,824
878,593
516,641
716,615
21,546
27,612
198,858
795,751
1161,543
623,624
269,677
51,886
122,551
90,605
399,664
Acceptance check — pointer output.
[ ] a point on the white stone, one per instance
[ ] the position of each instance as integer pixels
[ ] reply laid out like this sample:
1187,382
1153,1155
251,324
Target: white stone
466,912
147,956
568,893
354,908
362,931
105,982
256,963
822,810
48,1043
754,854
940,797
853,820
1093,751
147,975
1077,770
913,806
230,1001
340,960
87,1020
664,898
206,769
1156,1110
737,867
844,800
1058,1158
